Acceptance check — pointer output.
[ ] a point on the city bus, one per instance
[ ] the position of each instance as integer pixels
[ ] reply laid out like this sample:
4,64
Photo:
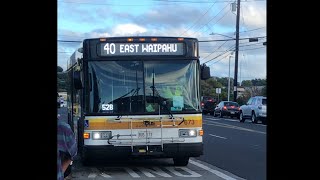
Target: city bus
136,97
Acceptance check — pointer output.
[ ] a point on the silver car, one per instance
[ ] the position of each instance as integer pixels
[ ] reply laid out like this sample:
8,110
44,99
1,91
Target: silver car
255,109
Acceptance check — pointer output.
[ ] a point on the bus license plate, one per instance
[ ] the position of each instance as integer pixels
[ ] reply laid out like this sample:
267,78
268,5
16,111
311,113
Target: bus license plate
144,134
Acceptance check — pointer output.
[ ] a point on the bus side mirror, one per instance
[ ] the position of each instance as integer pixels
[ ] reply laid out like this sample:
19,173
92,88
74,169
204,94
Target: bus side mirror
205,72
77,80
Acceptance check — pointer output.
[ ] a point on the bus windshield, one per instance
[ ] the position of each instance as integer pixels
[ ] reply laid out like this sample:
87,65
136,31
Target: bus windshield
126,87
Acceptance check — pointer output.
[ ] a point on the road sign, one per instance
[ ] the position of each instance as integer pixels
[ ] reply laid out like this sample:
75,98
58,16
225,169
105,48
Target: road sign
218,90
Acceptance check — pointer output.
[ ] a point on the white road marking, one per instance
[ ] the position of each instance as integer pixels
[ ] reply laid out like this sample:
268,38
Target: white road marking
131,172
217,119
105,175
177,173
234,120
233,127
155,170
218,173
94,173
218,136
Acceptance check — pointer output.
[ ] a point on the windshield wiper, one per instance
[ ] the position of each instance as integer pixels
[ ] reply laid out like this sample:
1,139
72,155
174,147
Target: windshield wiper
121,97
162,101
135,92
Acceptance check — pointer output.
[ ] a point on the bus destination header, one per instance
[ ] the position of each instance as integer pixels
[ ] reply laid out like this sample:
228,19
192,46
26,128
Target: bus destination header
133,49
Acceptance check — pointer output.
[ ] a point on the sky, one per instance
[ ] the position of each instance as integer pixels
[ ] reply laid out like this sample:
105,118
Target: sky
206,20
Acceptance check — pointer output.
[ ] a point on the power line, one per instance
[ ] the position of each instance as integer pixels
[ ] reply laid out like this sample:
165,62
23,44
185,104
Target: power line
252,49
215,50
204,1
231,48
199,19
212,18
130,5
219,59
251,44
230,39
186,2
220,18
251,30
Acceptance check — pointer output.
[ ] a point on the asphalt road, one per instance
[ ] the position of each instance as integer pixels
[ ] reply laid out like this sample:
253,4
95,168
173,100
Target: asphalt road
239,148
232,150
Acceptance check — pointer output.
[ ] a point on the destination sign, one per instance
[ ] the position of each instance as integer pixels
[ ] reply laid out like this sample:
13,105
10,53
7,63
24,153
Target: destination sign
144,49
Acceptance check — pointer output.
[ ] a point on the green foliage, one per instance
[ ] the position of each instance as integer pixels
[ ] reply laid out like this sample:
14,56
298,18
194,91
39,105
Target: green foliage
246,83
62,82
259,82
208,88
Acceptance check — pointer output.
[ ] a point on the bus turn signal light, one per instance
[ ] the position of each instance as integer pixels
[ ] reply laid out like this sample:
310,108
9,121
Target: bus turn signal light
201,132
86,135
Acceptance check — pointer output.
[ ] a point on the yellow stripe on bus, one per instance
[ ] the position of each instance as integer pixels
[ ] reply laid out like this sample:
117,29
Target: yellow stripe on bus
99,123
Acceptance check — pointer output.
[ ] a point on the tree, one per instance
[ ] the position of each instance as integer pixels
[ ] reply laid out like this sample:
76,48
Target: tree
62,82
59,69
246,83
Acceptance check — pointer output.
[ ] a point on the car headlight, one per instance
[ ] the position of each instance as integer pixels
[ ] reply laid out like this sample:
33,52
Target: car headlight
96,135
187,133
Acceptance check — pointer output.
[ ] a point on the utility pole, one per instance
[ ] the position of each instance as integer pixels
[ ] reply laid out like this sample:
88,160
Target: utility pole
236,56
229,81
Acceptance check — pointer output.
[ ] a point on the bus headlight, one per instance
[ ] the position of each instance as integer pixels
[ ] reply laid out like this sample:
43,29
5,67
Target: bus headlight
192,132
187,133
97,135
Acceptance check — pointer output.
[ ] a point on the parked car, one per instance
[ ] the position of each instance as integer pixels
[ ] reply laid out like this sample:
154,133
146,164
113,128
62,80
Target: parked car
207,104
227,108
255,109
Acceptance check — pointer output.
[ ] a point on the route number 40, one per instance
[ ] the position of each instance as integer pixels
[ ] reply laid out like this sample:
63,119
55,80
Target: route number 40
110,48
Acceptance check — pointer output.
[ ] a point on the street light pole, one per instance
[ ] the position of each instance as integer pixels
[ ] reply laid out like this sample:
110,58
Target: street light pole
229,63
221,35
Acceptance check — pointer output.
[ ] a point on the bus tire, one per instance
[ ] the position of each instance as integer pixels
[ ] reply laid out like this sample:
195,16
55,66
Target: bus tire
85,161
181,161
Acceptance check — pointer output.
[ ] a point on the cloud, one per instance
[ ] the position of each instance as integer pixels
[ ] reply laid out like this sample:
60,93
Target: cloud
249,67
168,17
128,29
79,21
254,15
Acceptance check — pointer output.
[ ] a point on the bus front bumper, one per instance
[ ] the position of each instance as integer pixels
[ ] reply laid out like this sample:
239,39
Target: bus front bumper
169,151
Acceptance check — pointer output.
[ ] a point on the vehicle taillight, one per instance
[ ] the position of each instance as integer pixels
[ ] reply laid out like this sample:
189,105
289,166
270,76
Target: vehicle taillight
238,108
232,106
210,100
202,104
224,107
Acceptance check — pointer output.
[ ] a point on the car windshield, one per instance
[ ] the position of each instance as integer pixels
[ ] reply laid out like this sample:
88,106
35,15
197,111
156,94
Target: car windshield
231,104
206,98
264,101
